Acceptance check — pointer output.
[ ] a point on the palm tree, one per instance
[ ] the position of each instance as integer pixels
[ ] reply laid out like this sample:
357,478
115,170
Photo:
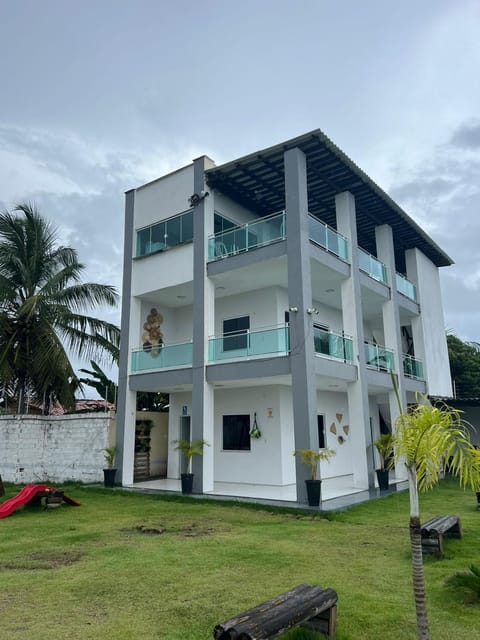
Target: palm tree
426,438
42,305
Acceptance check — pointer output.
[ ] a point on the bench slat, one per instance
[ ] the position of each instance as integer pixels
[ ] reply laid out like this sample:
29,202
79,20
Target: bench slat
273,617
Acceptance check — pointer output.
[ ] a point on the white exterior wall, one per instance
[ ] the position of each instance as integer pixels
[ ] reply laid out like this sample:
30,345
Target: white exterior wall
429,327
263,463
232,210
163,198
36,449
160,270
331,404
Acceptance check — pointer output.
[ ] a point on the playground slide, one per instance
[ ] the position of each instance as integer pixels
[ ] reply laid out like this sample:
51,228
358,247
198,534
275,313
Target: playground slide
25,495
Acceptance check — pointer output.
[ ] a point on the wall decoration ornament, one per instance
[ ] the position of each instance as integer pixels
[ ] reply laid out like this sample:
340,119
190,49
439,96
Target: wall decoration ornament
339,430
152,337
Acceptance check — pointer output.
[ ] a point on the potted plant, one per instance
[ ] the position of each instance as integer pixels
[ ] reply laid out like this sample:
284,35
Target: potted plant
310,459
188,450
110,472
384,446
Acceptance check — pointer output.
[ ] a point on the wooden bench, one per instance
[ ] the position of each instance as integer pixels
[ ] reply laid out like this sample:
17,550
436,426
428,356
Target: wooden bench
311,607
434,531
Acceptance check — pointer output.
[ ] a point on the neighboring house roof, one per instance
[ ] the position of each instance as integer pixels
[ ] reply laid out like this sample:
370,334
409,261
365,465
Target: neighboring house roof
257,181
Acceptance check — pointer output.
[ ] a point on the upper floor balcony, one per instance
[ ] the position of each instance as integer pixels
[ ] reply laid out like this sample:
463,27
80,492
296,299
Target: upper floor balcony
405,287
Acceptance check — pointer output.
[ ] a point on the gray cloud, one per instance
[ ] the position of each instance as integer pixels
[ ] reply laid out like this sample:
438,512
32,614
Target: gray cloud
467,136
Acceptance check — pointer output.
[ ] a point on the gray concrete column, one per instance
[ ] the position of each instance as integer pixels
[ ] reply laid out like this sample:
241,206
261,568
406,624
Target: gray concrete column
203,327
391,326
125,424
358,405
302,356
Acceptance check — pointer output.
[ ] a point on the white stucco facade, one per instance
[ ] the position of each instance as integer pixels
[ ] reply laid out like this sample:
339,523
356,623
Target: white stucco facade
234,341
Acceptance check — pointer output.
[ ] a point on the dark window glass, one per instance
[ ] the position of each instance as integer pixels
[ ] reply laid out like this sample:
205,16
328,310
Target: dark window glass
321,432
158,237
321,339
172,230
236,433
187,227
235,334
143,242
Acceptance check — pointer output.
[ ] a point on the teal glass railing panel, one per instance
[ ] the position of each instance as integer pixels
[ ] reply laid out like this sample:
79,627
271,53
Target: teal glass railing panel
405,287
165,234
247,237
328,238
164,357
412,367
379,358
332,345
371,266
248,344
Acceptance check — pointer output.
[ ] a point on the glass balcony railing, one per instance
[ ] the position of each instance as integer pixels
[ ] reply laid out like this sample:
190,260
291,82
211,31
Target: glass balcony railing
246,237
164,357
412,367
372,266
247,344
328,238
332,345
379,358
405,287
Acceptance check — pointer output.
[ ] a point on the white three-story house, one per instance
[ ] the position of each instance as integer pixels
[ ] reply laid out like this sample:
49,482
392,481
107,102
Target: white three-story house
271,296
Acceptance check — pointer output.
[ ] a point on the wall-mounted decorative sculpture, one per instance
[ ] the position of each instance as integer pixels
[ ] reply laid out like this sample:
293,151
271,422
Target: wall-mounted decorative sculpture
152,337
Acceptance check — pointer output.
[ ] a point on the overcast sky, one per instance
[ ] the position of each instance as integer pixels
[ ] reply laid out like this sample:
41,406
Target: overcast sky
97,97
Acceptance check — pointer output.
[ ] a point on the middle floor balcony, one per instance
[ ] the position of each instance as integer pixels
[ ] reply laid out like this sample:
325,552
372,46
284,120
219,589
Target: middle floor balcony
272,342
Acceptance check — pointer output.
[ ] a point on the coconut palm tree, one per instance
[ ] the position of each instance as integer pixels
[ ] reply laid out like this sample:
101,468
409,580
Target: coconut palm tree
426,438
42,309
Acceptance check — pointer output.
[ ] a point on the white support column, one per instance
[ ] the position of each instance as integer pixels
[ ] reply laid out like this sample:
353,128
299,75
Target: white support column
391,327
358,407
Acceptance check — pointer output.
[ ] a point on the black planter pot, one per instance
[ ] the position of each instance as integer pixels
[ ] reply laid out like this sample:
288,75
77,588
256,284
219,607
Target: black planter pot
109,477
478,500
313,492
187,482
382,477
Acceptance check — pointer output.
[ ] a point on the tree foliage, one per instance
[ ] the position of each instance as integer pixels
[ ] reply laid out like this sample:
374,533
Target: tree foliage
42,310
464,366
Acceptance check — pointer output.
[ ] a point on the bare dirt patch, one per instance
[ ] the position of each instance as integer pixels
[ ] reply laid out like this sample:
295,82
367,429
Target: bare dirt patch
42,560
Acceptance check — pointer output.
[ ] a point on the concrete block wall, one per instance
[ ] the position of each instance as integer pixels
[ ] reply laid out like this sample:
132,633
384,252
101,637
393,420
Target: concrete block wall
37,449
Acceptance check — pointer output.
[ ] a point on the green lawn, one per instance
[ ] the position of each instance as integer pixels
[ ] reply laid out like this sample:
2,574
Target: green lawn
91,573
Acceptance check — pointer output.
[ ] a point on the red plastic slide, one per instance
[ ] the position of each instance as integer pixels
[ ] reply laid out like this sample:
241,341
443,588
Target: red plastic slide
25,495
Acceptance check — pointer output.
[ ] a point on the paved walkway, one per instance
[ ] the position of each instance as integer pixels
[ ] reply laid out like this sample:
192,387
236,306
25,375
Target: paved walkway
336,503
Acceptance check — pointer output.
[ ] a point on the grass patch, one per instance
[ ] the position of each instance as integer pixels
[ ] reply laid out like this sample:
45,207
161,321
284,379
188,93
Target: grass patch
127,565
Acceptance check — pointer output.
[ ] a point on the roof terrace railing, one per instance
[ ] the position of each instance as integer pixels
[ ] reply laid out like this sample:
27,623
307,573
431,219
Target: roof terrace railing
246,237
328,238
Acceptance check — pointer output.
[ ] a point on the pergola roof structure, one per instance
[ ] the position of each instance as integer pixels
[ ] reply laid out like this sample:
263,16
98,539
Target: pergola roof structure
258,182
